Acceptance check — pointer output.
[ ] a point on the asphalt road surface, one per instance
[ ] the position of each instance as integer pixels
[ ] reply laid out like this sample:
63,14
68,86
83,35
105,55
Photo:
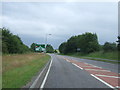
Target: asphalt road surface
70,72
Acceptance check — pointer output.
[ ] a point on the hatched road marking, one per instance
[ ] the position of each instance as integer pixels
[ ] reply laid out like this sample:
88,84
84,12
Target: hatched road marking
107,76
77,66
108,79
98,70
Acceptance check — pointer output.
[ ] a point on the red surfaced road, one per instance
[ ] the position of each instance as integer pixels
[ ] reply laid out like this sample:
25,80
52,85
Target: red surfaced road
97,71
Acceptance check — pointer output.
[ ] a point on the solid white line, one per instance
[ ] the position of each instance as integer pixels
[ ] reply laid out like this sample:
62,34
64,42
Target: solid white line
107,76
43,83
77,66
34,83
102,81
98,70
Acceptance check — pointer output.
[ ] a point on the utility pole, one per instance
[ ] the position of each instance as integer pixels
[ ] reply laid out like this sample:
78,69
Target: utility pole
46,42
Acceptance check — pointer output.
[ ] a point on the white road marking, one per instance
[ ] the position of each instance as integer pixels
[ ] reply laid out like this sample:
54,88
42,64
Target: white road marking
34,83
86,66
102,81
96,66
77,66
86,63
67,60
107,76
117,86
43,83
97,70
91,64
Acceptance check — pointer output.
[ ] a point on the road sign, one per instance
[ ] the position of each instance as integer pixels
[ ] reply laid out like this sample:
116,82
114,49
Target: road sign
40,47
78,49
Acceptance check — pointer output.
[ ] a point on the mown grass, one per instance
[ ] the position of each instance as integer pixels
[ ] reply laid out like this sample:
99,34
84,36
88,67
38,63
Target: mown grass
18,69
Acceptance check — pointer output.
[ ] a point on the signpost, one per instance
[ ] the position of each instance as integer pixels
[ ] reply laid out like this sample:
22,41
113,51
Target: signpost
78,49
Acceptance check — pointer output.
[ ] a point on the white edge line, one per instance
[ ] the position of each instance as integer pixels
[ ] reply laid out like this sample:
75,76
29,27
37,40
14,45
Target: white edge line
43,83
102,81
34,83
77,66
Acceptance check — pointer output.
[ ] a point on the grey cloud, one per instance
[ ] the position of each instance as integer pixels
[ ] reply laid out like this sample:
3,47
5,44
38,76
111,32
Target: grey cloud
33,20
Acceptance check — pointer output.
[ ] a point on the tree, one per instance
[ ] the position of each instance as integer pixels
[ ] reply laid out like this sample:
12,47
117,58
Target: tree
12,43
109,47
62,48
49,49
87,43
71,45
32,47
55,51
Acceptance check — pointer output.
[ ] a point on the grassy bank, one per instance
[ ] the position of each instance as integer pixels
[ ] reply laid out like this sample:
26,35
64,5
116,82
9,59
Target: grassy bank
18,69
107,55
101,55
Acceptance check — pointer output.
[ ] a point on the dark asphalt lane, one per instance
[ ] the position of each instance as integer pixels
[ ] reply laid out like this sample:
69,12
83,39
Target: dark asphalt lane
109,66
65,75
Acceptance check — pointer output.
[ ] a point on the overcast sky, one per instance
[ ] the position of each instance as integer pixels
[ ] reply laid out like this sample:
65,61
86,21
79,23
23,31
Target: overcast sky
32,21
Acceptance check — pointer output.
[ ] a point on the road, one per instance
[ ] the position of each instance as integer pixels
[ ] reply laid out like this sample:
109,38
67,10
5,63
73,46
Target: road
70,72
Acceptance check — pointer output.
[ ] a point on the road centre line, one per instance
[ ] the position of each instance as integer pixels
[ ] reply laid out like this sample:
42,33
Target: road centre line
102,81
107,76
98,70
43,83
77,66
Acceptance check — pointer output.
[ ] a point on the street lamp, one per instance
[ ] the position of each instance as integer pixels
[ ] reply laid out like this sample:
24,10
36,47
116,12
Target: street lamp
46,41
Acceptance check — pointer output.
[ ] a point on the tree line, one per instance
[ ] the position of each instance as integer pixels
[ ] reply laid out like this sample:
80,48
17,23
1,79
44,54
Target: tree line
12,44
86,43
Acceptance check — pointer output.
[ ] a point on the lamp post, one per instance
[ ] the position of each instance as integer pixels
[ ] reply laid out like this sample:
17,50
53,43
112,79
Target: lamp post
46,42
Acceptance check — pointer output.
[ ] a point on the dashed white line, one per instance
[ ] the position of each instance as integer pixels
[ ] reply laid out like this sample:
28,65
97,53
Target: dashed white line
43,83
77,66
107,76
102,81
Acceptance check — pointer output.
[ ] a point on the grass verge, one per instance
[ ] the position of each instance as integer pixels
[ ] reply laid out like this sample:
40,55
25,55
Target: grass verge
19,69
100,55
